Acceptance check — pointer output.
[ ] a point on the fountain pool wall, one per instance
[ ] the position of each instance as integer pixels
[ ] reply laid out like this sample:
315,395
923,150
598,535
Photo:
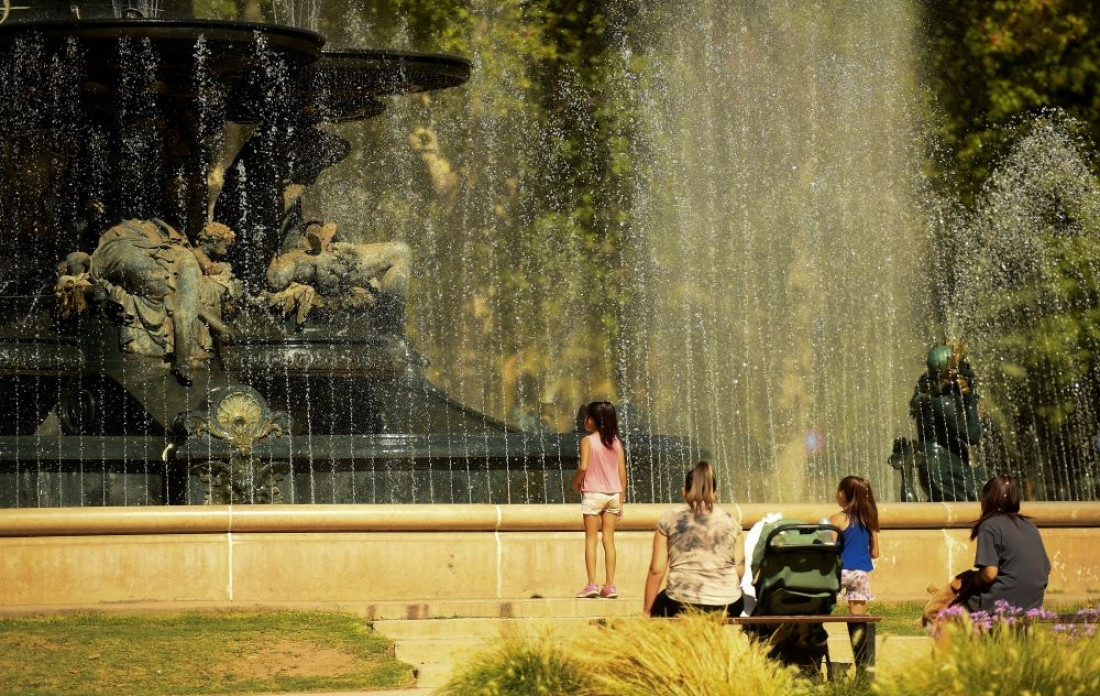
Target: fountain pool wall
412,561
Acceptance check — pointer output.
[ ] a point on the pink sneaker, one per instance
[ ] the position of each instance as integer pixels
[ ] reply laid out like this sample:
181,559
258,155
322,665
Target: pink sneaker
589,592
609,592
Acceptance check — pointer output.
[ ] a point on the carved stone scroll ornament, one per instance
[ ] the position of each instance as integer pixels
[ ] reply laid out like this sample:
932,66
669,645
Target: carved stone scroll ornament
241,480
239,417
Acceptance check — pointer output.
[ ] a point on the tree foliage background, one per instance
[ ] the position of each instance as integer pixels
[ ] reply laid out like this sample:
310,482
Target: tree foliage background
990,62
1012,91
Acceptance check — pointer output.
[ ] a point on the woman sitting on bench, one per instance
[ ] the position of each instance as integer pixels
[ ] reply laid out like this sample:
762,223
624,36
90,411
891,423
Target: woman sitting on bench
696,547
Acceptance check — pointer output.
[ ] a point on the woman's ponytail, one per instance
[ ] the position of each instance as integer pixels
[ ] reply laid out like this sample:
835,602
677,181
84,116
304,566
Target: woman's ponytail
701,488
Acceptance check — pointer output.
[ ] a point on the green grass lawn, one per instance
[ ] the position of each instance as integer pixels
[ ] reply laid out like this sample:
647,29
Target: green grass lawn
217,653
898,618
234,652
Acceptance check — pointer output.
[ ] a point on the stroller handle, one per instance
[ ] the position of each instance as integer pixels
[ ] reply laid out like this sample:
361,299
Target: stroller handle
804,528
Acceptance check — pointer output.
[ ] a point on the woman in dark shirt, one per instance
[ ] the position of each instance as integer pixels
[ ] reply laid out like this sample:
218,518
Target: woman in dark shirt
1011,559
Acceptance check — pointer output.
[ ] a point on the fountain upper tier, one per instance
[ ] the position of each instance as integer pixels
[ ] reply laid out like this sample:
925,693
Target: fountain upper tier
348,81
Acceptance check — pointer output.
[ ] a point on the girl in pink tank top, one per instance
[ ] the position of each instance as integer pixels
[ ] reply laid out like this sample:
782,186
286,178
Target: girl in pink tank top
601,481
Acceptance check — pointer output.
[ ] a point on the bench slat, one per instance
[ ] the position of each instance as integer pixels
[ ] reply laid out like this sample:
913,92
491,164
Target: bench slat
805,619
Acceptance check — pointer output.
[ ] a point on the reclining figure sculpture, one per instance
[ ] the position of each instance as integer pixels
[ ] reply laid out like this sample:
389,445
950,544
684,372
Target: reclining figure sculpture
171,294
315,271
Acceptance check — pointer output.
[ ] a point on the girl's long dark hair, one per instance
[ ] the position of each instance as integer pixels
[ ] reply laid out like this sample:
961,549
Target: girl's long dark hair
603,417
1000,496
701,488
860,501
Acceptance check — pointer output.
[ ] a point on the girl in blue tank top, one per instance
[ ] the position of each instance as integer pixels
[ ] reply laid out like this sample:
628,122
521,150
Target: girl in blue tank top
858,518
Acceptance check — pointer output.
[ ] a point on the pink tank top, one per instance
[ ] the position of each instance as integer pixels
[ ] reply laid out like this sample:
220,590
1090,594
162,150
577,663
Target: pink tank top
602,475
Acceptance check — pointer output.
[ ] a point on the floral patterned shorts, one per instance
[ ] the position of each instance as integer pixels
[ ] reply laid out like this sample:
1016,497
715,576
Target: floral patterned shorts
856,585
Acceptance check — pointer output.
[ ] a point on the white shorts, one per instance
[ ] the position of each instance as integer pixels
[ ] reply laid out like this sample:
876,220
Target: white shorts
599,503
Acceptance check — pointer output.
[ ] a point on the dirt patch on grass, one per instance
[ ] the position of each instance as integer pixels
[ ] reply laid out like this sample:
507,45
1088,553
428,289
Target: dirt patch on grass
292,658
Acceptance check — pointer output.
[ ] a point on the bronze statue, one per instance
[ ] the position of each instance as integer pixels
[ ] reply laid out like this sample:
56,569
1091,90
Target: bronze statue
261,196
294,264
945,407
316,271
74,283
172,294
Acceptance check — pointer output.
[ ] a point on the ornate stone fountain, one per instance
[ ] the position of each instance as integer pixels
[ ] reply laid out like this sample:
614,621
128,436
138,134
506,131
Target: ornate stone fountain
164,339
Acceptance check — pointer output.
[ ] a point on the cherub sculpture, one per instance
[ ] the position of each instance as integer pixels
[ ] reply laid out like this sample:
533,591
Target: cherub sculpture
315,271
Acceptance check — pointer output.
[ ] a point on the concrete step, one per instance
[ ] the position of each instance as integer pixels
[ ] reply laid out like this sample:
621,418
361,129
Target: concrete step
626,605
433,675
438,650
434,646
474,627
557,607
425,651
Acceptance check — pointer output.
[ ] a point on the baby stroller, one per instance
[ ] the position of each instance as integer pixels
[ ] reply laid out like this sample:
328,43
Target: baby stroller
796,571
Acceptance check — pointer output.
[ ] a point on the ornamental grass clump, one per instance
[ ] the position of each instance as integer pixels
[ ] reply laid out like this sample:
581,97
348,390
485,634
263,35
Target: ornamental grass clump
689,655
693,655
519,663
1003,652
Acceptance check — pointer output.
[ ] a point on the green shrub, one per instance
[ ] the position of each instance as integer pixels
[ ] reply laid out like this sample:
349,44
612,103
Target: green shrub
1003,659
519,664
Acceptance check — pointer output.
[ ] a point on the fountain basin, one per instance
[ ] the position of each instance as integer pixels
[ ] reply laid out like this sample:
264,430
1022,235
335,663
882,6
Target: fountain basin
356,557
395,467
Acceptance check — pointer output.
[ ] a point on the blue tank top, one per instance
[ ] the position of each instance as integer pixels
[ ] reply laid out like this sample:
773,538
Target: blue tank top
857,547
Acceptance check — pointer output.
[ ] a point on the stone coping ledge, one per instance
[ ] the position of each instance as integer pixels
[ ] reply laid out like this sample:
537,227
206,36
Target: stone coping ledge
468,518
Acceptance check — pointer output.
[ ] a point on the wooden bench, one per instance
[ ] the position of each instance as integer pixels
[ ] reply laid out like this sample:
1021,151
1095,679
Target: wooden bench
863,647
804,619
1073,618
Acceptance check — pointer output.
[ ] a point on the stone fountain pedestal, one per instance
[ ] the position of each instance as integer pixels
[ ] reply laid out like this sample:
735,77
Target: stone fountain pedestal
155,356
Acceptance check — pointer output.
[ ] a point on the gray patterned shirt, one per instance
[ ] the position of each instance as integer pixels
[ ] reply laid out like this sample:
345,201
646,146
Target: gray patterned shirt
703,556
